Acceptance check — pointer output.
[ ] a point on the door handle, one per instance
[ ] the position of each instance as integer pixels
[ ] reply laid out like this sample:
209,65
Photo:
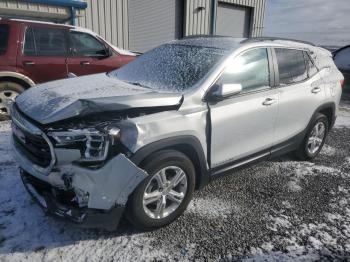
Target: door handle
28,63
84,63
316,90
269,101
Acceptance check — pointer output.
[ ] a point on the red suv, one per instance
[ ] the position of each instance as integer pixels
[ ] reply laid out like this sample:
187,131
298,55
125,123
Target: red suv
35,52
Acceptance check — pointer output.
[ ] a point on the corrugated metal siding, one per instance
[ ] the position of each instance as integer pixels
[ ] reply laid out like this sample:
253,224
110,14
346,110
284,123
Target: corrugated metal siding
153,22
197,17
233,20
258,14
108,18
21,9
198,22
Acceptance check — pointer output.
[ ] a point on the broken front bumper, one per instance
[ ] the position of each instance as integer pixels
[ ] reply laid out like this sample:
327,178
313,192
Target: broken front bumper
43,194
89,193
92,198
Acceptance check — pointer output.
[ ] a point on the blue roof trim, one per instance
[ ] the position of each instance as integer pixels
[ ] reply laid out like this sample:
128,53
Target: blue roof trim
69,3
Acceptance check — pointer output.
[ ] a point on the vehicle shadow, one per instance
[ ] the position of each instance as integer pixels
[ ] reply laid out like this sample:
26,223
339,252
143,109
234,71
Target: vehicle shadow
53,233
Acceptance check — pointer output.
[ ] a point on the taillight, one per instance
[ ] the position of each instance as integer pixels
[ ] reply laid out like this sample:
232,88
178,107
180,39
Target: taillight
342,82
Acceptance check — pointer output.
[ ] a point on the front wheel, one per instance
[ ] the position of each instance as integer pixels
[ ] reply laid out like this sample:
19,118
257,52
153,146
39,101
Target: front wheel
314,139
164,195
8,93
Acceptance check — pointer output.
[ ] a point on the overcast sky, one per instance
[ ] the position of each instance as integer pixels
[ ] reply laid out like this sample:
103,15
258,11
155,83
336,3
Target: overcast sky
324,22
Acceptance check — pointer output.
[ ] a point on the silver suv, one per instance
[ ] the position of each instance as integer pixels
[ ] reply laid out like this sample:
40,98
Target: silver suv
139,140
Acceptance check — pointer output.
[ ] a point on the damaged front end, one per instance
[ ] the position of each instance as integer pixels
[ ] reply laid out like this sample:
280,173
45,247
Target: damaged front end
83,174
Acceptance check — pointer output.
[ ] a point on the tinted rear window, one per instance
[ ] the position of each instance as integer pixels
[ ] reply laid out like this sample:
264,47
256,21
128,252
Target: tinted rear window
45,42
291,66
4,36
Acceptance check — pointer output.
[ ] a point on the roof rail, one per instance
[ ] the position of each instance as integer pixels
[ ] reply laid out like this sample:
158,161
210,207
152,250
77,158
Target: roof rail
204,35
258,39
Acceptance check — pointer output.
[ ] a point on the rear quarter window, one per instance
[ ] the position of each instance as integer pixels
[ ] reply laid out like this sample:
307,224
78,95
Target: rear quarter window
4,37
291,66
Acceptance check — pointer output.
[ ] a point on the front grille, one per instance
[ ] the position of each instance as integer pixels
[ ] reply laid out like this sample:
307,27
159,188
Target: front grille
35,149
32,144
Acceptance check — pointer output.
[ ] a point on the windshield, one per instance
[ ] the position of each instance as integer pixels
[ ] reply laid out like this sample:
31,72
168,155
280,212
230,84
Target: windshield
170,67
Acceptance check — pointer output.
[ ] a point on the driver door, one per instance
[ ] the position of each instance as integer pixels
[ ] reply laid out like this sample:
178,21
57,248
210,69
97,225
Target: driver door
243,125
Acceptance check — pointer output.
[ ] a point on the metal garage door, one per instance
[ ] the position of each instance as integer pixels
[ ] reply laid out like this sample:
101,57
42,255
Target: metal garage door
152,22
233,20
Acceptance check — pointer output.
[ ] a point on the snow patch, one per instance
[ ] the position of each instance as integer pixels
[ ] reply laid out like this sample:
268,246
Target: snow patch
211,208
343,119
294,185
5,152
322,238
328,150
279,222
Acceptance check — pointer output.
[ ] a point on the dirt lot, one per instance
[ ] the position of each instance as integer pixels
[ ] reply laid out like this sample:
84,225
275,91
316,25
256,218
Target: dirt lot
277,210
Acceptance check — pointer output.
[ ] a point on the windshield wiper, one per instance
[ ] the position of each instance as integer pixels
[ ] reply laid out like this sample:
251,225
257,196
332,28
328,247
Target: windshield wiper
136,84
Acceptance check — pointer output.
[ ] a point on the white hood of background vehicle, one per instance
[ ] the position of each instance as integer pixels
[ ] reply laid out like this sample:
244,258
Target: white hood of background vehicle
81,96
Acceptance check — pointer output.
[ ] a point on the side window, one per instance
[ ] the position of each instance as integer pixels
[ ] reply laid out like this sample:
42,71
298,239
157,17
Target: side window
4,35
311,68
45,42
251,70
29,46
86,45
291,66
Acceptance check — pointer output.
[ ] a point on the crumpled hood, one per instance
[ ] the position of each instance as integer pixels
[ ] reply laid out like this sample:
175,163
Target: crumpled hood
81,96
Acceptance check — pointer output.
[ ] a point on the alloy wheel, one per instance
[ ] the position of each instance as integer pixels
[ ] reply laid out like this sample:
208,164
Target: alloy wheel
165,192
316,137
6,98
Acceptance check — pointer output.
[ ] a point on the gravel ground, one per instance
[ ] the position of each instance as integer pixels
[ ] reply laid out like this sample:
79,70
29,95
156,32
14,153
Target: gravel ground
277,210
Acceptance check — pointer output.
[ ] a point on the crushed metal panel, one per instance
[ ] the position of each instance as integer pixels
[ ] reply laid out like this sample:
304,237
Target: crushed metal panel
109,186
88,95
151,128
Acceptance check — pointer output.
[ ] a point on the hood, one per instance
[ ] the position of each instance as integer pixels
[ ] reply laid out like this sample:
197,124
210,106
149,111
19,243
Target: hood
82,96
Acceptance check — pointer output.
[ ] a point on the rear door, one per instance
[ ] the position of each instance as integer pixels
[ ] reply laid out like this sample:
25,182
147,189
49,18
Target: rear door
44,53
243,125
90,55
300,90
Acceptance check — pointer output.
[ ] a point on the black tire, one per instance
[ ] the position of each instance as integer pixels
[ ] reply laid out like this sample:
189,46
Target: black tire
135,212
11,87
303,153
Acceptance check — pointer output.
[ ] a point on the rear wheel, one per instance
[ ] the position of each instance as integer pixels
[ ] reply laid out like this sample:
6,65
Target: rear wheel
314,139
164,195
8,93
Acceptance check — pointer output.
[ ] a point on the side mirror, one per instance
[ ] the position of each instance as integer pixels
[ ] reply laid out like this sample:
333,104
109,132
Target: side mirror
101,54
226,90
